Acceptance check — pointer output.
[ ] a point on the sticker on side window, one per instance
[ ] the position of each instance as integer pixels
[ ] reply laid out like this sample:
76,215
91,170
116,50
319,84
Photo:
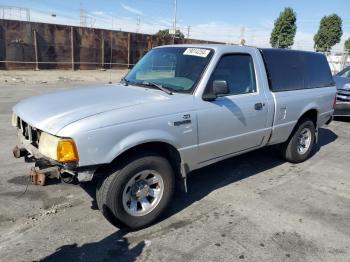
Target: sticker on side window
197,52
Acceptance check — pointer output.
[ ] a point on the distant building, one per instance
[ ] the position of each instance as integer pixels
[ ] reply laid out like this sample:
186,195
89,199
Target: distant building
337,61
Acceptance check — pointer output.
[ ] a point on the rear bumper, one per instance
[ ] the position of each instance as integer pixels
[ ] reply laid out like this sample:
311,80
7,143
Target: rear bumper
342,109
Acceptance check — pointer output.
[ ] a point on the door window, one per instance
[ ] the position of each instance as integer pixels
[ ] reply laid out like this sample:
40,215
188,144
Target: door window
238,72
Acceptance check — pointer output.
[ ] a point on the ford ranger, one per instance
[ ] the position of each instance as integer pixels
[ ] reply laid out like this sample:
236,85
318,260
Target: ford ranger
180,108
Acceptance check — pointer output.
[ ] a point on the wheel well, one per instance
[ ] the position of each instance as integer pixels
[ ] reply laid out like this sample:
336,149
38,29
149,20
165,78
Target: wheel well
310,114
164,149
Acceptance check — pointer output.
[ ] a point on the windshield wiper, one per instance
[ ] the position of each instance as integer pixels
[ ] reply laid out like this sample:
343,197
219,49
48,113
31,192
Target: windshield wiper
124,81
160,87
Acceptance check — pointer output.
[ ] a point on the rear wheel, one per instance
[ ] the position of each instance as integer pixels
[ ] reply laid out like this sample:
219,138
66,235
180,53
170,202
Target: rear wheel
299,146
135,193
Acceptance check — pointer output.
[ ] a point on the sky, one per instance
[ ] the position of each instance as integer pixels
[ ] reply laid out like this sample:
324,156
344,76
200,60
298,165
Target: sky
220,20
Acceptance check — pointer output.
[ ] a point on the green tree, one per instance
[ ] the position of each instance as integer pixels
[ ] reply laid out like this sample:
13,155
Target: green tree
329,33
166,33
347,45
283,33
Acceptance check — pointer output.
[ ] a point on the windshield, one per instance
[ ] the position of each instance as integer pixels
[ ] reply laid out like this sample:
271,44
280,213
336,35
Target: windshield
344,73
175,68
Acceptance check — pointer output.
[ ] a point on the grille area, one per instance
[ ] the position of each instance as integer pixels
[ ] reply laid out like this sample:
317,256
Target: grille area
343,95
31,134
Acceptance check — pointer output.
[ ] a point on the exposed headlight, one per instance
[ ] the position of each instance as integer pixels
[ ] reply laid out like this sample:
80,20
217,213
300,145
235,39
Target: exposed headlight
14,120
60,149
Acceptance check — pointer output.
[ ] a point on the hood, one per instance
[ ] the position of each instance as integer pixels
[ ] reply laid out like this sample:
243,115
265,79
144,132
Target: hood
342,82
51,112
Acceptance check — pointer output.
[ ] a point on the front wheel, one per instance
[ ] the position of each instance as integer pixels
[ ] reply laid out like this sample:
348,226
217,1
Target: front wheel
135,193
298,147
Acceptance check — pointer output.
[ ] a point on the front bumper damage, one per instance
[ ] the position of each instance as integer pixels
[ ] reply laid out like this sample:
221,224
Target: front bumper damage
38,176
46,168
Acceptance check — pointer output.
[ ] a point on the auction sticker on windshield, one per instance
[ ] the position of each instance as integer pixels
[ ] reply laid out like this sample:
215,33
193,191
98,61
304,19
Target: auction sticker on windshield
197,52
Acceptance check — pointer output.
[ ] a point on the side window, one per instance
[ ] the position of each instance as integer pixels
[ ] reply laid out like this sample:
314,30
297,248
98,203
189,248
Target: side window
238,71
317,71
286,69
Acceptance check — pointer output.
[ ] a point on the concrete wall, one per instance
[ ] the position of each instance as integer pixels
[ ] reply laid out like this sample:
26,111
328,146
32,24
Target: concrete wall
29,45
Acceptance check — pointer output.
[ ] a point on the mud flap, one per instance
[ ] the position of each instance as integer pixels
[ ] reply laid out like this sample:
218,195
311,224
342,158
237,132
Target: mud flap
184,171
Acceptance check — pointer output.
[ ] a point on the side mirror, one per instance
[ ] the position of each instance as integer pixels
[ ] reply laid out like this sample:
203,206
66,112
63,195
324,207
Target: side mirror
219,88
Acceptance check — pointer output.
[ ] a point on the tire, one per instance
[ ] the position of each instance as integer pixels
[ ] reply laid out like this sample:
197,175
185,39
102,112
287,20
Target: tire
131,182
292,149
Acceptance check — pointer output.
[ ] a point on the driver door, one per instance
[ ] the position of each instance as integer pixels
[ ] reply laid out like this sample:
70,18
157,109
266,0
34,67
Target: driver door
237,121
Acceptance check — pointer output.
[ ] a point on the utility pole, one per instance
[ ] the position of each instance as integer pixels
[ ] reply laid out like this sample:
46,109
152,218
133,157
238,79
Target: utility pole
252,39
83,22
242,39
175,13
72,47
138,22
188,31
36,51
111,57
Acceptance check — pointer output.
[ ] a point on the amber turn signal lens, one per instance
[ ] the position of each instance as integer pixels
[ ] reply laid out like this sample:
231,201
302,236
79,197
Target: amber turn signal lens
67,151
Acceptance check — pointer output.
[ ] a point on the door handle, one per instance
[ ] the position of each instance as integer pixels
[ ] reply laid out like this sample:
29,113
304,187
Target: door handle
259,106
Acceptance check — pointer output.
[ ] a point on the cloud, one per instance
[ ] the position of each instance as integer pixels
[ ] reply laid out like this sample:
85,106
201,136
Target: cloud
258,35
230,33
131,9
165,22
59,18
255,35
340,47
304,41
98,13
267,24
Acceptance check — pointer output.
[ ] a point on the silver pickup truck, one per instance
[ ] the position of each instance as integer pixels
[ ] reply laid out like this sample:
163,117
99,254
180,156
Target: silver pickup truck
180,108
